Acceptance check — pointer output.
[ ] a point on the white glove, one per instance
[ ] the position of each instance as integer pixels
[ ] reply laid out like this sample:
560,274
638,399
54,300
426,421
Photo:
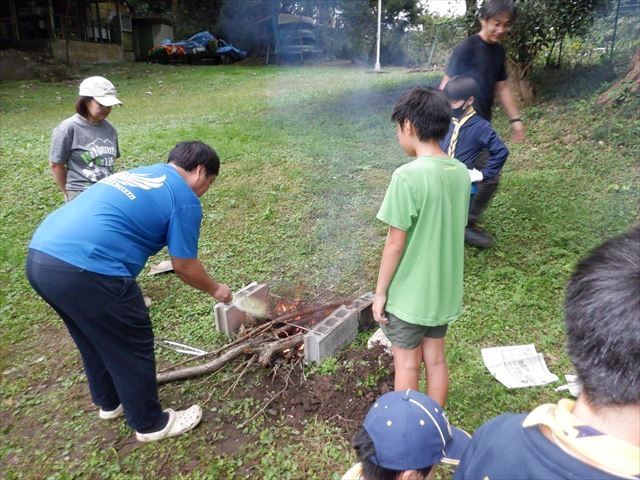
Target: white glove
475,175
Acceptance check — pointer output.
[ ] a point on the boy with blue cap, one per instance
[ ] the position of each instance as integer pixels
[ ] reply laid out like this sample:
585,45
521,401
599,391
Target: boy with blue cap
403,436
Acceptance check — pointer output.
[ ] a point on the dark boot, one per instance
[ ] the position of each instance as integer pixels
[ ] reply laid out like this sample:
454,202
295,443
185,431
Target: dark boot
473,235
476,237
481,200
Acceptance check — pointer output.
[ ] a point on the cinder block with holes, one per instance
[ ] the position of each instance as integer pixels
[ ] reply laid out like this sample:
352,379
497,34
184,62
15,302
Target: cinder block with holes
228,318
365,314
337,330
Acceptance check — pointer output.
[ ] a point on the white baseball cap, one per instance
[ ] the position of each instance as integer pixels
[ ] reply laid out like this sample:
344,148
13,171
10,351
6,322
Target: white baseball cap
101,89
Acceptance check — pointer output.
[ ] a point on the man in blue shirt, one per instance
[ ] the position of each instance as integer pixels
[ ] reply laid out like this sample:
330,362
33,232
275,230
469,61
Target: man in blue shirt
472,140
596,437
83,260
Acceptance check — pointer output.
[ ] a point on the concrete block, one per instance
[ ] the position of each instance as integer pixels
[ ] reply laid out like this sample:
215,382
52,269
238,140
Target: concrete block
228,318
365,314
337,330
255,290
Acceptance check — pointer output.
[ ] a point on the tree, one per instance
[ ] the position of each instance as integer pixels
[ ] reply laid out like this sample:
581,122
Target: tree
542,23
471,14
358,20
539,25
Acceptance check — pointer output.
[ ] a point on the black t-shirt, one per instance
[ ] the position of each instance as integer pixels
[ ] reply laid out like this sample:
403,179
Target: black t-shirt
482,61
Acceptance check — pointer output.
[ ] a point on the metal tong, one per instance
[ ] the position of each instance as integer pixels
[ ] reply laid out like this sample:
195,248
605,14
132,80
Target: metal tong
180,347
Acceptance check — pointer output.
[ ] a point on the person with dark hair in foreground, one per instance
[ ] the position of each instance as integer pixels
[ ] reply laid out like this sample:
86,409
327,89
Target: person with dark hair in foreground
84,147
83,261
596,437
404,435
419,288
472,140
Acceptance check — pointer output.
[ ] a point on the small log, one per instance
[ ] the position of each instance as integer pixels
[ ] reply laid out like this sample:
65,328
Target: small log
266,351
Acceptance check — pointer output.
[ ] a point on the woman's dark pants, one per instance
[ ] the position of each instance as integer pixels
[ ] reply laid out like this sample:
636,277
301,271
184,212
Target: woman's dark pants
109,323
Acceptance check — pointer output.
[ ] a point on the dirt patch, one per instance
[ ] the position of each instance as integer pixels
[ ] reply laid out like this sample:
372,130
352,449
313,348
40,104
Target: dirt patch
341,398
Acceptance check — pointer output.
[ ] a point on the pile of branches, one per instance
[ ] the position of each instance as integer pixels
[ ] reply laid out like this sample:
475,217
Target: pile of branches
281,335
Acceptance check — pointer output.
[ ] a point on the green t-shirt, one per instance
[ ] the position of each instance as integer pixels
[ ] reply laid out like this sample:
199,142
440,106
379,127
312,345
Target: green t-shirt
429,199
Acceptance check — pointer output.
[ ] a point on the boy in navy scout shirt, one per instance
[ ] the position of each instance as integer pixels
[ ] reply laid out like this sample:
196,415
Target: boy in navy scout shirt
472,140
596,437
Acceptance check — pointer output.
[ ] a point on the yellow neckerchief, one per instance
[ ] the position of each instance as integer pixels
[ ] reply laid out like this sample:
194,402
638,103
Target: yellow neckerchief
610,454
457,125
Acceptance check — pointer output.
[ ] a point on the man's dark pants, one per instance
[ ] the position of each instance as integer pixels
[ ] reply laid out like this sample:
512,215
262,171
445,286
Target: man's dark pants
109,323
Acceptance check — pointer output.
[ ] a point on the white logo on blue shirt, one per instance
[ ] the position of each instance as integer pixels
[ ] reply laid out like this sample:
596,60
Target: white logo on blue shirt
122,180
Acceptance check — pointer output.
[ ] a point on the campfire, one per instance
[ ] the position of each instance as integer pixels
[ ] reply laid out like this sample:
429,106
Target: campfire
289,326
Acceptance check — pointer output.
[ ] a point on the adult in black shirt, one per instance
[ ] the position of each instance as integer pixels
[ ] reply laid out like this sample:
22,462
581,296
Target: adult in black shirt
482,58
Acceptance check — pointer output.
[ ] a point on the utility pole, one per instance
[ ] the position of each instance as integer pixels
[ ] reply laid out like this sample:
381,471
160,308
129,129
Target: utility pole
377,67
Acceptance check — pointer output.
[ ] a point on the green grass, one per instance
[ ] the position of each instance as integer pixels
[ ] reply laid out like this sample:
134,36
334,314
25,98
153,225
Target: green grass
307,154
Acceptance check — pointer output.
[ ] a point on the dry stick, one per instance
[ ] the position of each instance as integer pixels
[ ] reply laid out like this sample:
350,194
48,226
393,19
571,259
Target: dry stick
306,311
235,384
163,464
165,375
261,345
219,382
296,326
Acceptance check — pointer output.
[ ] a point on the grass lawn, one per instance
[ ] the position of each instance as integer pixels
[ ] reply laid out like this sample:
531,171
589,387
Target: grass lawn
306,157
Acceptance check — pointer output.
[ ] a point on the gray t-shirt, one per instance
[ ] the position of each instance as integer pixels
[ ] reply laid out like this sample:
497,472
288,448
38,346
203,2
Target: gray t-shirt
88,150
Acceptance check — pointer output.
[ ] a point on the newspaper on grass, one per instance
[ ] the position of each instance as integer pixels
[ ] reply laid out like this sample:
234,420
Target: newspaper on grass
517,366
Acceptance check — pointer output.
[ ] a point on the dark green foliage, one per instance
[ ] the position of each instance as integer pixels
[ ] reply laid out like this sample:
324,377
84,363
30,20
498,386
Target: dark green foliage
542,23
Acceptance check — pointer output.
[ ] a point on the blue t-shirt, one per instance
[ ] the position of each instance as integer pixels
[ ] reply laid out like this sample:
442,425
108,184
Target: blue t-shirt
502,449
118,223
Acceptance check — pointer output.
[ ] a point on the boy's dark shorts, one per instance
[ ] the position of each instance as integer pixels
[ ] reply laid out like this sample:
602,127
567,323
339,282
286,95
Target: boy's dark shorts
409,335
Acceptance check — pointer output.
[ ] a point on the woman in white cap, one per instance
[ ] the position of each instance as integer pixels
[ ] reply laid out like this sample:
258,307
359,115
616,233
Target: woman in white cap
84,147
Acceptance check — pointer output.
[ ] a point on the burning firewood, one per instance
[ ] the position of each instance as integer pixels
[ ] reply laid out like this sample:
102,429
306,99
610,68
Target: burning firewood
282,334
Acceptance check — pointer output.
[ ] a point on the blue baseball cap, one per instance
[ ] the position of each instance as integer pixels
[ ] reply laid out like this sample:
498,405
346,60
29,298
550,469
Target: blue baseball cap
410,431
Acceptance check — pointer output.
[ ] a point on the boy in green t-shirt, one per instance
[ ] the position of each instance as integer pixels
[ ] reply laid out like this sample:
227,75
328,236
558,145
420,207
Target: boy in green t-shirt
419,290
